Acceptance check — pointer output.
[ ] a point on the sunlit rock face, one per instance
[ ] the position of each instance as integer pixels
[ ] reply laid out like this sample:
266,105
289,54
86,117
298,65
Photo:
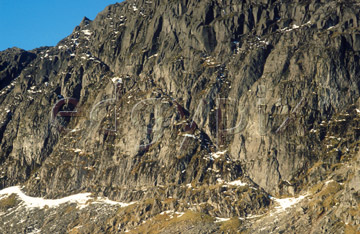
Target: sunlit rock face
201,116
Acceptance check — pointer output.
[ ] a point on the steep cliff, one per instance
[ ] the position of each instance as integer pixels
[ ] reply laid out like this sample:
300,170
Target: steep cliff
203,116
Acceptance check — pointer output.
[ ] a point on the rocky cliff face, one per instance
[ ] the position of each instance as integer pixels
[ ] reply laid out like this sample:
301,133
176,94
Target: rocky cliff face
210,116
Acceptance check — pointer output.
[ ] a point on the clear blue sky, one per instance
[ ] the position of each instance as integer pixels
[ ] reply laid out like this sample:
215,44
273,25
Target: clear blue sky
29,24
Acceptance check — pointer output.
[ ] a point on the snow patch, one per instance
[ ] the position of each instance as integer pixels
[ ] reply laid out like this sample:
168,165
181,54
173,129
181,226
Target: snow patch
75,130
221,219
284,203
110,202
35,231
217,154
82,199
167,212
117,80
294,26
87,32
328,182
152,56
171,213
34,202
179,214
220,181
237,183
189,135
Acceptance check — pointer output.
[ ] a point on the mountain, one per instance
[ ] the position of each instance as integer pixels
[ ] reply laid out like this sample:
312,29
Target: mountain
163,116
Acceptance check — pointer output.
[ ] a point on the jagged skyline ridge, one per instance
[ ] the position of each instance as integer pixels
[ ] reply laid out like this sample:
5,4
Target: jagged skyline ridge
32,24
